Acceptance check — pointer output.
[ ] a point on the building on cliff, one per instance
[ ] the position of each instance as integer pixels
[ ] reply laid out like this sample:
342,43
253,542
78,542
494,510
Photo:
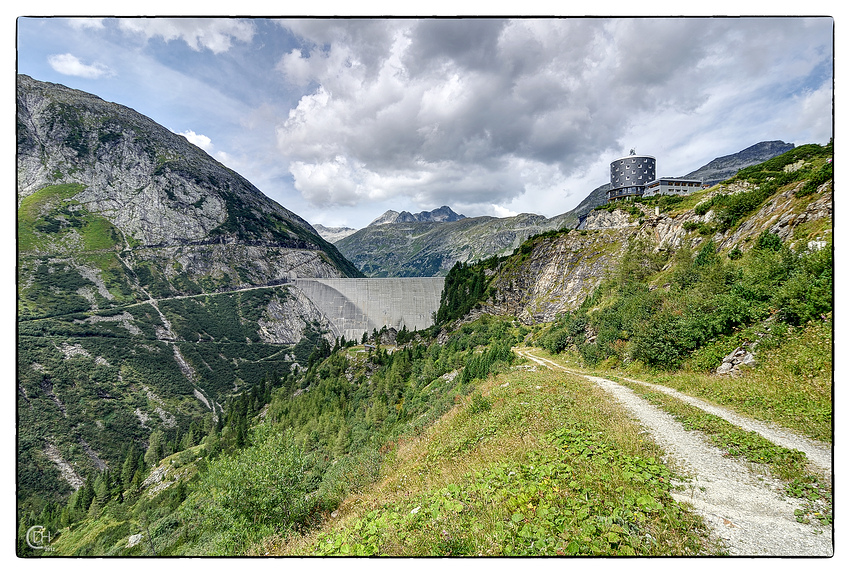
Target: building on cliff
671,186
630,174
634,176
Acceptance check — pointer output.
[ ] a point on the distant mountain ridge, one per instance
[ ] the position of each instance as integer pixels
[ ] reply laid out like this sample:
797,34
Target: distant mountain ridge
442,214
427,248
333,234
722,168
401,244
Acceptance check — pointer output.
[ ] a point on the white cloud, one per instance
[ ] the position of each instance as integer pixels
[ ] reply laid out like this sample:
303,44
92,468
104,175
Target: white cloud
489,112
70,65
86,23
296,68
199,140
214,34
815,113
205,143
500,211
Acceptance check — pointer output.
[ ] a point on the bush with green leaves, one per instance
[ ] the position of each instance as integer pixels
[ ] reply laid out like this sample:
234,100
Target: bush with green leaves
258,491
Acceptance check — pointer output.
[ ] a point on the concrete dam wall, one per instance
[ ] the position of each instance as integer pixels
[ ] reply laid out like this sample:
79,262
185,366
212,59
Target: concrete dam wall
357,306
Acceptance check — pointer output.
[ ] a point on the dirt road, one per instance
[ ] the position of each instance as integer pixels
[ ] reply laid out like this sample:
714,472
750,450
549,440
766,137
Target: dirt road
746,510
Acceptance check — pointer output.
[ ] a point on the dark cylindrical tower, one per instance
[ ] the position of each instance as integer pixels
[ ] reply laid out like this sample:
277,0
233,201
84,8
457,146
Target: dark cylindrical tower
630,174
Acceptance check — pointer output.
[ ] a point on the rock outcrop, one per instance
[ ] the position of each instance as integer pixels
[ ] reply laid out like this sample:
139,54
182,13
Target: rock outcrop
557,274
735,361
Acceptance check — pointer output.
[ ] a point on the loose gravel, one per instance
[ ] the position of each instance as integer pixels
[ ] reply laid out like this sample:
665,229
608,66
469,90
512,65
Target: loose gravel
746,511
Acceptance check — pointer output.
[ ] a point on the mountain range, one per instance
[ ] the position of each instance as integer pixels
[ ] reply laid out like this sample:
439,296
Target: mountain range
404,245
442,214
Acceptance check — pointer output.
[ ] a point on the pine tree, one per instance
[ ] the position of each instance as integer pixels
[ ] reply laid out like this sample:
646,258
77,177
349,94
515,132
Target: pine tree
342,441
241,431
154,452
86,494
212,442
129,467
187,441
101,489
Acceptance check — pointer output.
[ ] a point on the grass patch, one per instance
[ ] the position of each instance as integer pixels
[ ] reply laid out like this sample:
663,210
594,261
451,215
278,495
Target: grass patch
48,218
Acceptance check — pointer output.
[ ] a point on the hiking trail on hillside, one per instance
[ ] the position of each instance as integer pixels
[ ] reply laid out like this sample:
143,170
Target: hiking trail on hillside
747,511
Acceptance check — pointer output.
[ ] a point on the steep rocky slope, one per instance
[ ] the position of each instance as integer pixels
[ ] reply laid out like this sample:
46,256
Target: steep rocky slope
151,285
554,272
155,189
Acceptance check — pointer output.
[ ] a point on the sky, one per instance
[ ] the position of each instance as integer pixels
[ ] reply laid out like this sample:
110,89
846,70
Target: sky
340,120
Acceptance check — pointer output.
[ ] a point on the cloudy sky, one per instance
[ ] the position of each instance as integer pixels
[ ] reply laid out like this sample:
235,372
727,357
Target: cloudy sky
342,119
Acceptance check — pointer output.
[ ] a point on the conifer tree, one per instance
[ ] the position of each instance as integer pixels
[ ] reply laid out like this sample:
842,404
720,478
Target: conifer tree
129,467
154,452
101,489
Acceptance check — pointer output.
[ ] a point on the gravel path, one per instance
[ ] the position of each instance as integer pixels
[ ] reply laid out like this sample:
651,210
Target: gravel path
818,453
745,510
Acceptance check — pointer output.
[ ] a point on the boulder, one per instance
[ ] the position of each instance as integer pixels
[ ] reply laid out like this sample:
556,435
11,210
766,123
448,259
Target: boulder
734,361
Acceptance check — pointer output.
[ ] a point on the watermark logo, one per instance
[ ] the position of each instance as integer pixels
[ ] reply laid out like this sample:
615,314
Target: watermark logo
39,538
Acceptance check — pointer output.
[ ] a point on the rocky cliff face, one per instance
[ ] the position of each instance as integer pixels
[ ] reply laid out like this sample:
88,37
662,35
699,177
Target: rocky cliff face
155,188
553,275
556,274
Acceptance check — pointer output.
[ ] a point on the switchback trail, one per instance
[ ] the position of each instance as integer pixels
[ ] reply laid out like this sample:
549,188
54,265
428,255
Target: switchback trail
747,511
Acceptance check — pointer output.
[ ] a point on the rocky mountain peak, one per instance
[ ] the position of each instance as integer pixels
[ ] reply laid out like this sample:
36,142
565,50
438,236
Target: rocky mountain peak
726,166
442,214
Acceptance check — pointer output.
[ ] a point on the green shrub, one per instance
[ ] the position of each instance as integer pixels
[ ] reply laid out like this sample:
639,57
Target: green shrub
768,240
478,404
258,491
818,178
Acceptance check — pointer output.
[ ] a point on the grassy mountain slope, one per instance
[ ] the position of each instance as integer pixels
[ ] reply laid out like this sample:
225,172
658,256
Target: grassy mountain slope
511,461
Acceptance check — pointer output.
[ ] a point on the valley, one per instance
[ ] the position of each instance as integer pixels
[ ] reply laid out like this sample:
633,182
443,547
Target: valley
201,373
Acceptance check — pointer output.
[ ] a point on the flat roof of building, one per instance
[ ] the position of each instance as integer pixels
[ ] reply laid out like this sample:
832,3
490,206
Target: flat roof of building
635,156
676,179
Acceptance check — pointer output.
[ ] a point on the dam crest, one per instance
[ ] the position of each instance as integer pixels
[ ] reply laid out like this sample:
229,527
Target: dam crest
357,306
